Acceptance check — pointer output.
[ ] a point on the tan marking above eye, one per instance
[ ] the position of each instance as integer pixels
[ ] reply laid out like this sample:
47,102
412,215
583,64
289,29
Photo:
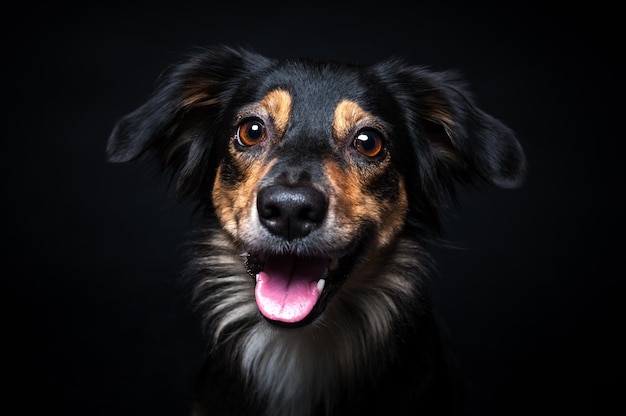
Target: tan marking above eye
367,132
277,103
347,115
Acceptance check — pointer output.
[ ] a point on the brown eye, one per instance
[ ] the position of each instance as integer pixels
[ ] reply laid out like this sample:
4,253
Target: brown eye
250,132
369,143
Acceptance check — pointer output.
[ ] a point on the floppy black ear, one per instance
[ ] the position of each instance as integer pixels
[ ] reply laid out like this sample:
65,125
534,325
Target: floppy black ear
183,112
466,141
484,144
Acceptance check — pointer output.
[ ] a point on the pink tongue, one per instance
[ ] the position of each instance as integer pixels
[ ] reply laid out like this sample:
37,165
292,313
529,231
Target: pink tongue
286,290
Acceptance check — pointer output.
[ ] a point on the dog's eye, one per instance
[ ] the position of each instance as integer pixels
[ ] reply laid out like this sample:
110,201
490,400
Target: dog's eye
369,143
250,132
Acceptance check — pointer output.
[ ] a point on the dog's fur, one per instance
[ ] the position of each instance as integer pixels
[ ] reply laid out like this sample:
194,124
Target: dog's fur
340,171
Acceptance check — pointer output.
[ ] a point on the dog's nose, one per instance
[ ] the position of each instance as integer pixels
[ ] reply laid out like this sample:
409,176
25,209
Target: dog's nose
291,211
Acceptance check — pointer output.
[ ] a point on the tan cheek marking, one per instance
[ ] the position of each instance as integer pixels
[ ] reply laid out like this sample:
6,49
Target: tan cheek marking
277,103
233,204
347,203
353,205
347,115
394,217
222,204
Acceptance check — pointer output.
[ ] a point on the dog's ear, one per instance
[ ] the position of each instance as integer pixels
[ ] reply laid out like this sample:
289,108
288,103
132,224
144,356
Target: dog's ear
465,141
176,125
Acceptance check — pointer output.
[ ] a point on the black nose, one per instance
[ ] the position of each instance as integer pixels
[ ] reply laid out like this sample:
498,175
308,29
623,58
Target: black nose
291,211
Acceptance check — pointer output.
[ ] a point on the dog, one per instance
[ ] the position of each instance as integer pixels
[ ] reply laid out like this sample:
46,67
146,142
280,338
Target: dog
322,187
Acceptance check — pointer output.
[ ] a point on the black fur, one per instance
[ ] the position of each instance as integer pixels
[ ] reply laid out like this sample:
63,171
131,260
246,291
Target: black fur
373,345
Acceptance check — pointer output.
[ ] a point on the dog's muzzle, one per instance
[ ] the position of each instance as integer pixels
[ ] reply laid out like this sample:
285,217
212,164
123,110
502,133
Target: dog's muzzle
288,286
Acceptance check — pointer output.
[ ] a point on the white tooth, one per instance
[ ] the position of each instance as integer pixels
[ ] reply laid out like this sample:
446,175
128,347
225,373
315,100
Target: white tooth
320,285
256,279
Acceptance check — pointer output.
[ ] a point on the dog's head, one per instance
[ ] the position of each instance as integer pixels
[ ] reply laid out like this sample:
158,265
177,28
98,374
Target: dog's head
315,168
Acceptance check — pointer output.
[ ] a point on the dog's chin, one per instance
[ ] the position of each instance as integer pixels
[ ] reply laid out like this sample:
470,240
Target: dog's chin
293,290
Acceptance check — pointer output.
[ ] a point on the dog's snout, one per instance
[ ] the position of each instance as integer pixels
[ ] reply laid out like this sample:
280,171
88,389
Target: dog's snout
291,211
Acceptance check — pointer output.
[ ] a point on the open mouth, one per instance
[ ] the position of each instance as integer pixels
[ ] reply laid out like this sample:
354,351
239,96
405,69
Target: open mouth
290,288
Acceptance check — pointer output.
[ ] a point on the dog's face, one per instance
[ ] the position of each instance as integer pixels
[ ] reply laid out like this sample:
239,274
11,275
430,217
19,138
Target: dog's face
314,169
308,186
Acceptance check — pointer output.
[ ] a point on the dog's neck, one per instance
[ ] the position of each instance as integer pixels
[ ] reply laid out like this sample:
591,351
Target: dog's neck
297,369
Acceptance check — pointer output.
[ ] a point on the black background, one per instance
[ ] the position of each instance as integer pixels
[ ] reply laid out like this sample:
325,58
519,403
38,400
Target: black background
97,321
